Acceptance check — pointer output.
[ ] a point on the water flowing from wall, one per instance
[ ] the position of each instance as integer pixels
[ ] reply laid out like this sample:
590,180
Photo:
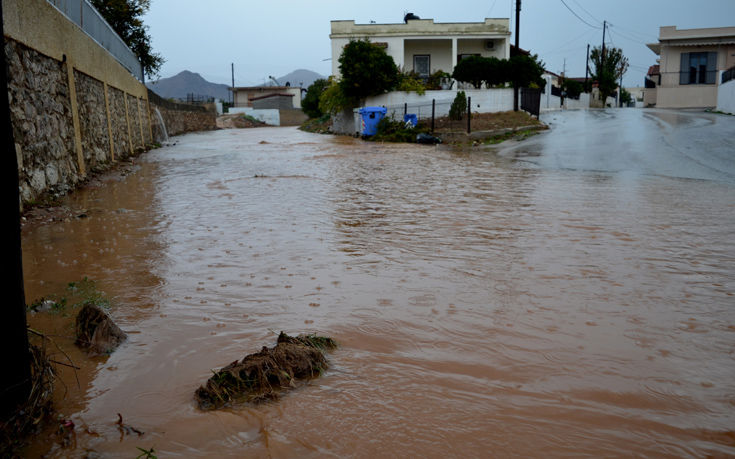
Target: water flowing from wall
164,139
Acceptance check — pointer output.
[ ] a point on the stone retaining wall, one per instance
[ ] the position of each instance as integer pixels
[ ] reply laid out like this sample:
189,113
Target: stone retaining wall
40,109
42,113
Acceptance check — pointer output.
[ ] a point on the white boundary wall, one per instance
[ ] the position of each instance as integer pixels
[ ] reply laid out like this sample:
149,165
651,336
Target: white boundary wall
726,96
483,101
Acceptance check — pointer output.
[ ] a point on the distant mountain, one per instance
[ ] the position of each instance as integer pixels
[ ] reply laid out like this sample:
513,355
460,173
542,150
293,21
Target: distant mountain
300,77
185,83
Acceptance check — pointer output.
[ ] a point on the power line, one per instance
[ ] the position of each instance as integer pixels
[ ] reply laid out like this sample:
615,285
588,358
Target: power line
491,9
578,16
588,13
562,47
646,36
626,36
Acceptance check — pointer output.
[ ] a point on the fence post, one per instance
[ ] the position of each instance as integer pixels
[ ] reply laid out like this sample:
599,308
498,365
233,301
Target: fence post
469,114
433,112
405,108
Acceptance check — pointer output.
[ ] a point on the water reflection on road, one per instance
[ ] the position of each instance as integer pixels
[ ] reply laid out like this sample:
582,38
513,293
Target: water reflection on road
570,294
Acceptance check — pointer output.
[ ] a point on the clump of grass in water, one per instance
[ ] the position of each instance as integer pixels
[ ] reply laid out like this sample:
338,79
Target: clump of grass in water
38,407
260,376
78,294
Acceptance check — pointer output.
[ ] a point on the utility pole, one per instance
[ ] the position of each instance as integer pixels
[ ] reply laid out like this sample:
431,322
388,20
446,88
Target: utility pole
518,31
15,383
233,84
602,57
587,66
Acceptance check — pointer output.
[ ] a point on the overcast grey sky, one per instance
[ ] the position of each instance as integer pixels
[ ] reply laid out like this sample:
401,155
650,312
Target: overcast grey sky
275,37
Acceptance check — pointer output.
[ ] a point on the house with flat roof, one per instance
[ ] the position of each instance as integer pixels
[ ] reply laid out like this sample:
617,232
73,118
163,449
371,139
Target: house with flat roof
425,46
690,64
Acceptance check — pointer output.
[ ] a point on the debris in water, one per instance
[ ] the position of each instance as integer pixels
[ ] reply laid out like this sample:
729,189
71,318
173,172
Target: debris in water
96,330
259,376
427,139
126,429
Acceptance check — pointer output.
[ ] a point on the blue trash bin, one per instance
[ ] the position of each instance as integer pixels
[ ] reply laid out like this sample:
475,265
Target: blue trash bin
371,116
411,118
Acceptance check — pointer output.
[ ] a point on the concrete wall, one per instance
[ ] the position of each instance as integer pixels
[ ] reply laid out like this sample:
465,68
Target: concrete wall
726,96
649,97
292,117
692,96
278,102
483,101
551,102
73,107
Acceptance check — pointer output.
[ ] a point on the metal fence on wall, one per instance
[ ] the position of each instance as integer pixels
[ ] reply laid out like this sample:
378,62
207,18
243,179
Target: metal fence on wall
728,75
83,14
434,114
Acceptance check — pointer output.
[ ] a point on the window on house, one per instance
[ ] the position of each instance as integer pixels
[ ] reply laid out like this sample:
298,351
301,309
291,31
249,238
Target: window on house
698,68
422,65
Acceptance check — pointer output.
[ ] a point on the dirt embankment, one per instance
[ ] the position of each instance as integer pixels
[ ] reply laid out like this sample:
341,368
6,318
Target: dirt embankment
238,121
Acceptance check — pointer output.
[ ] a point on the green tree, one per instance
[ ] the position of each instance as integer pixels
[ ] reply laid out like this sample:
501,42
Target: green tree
471,70
609,70
625,96
572,88
310,104
496,71
366,71
125,18
526,71
333,100
458,107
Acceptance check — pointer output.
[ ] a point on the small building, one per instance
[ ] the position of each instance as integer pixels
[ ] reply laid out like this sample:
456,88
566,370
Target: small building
423,46
244,96
690,62
280,101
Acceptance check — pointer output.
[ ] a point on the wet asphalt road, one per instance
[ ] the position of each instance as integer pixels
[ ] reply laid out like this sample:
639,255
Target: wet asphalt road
680,144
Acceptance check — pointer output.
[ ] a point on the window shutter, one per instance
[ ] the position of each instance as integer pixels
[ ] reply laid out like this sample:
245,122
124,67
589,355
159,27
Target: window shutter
684,69
711,67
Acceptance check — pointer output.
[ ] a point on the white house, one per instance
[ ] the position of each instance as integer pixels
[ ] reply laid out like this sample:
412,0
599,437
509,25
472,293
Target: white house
690,62
424,46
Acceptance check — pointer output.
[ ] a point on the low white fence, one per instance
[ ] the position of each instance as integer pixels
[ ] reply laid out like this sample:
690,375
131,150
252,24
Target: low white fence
482,100
552,102
726,97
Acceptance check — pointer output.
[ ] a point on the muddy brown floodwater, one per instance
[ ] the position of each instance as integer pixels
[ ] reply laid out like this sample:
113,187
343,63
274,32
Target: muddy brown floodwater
486,304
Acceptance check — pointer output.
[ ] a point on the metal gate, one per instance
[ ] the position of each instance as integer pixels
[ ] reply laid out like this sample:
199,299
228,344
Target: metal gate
531,101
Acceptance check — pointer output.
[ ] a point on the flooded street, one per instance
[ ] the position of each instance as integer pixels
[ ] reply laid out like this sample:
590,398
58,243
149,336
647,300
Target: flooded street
571,294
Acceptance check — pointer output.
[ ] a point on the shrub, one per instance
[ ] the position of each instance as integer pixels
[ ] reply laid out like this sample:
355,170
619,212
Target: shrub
496,71
310,104
410,81
471,70
435,79
333,100
459,106
573,88
396,131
